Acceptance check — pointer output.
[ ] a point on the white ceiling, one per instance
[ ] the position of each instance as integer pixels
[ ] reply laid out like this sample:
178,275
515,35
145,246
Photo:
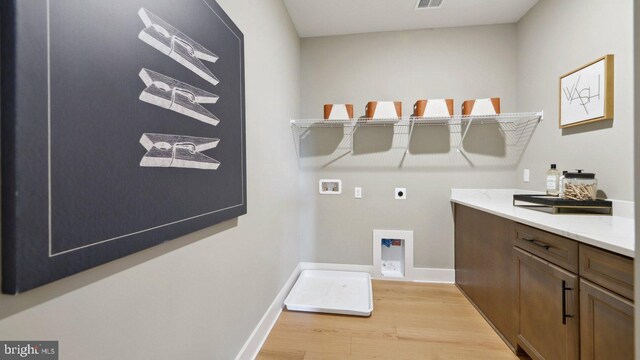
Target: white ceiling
340,17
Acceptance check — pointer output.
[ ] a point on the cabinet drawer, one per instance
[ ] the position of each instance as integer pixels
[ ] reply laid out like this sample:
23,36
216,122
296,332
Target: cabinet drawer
553,248
609,270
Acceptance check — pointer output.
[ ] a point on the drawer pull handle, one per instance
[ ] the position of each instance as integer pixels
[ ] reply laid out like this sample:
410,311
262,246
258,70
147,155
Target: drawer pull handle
537,243
564,302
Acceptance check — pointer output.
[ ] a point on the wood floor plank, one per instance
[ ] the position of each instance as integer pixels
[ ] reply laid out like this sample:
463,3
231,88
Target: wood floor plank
322,356
328,324
471,337
282,355
409,321
289,341
410,350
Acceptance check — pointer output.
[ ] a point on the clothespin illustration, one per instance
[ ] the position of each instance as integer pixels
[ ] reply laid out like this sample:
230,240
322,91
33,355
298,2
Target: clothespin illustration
169,93
178,151
178,46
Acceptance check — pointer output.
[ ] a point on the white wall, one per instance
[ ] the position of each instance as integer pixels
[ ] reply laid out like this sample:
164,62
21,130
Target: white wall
520,63
198,297
554,38
636,111
461,63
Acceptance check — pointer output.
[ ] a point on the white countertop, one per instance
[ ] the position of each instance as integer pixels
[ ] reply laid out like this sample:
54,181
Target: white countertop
614,233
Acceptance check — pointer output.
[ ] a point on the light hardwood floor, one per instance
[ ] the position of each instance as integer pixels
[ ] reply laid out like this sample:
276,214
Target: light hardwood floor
409,321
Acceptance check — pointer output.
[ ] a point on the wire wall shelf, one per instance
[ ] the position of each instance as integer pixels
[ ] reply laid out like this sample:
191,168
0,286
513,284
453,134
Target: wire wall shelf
516,127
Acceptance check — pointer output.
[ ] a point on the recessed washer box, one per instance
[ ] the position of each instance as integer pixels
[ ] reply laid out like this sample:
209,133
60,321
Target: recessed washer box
330,187
392,254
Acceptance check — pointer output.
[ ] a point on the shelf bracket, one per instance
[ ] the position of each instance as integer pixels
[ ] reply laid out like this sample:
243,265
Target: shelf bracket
296,140
413,123
464,134
352,134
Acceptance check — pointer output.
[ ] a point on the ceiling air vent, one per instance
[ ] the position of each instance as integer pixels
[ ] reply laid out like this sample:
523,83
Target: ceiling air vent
429,4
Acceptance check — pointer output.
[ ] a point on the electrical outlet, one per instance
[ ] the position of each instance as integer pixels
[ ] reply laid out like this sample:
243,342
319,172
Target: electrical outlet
401,193
525,175
358,193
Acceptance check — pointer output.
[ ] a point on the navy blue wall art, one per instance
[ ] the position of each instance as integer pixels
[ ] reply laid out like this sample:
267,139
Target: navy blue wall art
123,126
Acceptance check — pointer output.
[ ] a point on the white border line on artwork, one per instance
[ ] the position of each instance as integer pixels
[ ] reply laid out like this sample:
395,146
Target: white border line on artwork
49,148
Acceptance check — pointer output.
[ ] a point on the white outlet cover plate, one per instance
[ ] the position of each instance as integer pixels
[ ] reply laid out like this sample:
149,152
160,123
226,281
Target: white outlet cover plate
525,175
404,193
358,193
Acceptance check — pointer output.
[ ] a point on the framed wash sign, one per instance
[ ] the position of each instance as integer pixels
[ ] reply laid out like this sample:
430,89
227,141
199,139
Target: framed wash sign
586,94
123,126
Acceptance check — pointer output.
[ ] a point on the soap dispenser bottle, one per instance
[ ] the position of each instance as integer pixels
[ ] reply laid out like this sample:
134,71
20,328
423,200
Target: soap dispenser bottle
553,177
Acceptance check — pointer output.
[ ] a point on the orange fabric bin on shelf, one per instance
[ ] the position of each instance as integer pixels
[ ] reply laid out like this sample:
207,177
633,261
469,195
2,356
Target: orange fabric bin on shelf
383,110
489,106
338,111
433,108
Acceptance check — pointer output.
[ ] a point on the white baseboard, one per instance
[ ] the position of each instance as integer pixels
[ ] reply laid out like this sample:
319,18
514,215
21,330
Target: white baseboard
446,276
335,267
259,335
253,345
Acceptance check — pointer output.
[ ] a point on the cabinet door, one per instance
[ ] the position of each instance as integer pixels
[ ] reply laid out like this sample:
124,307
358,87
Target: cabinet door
606,326
547,303
484,266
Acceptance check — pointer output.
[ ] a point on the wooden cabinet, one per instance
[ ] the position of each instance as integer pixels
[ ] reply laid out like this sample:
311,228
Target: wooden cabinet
547,308
484,267
606,327
545,294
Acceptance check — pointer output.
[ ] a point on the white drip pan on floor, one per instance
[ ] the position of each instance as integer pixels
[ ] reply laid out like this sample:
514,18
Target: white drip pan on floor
335,292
